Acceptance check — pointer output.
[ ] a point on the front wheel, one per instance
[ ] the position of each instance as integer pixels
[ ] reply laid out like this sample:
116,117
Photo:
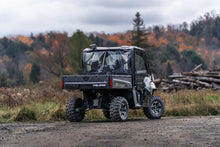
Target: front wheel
119,109
155,109
74,110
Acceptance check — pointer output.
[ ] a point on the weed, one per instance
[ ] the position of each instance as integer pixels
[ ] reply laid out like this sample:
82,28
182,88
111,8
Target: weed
26,114
59,114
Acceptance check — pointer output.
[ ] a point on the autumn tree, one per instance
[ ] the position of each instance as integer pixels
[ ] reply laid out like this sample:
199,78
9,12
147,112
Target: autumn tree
52,59
76,44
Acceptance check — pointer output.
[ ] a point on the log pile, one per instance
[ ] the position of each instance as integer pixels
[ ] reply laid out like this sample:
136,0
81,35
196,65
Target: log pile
194,79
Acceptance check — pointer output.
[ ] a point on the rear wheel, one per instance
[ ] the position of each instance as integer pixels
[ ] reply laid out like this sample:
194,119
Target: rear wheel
74,110
119,109
155,109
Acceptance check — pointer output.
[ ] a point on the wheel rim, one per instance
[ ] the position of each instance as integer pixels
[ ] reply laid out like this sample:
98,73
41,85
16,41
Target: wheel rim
123,110
156,107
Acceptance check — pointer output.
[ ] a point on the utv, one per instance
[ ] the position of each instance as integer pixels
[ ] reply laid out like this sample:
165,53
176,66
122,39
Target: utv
114,79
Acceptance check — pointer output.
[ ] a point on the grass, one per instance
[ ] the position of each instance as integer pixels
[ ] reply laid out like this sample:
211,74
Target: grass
46,102
48,111
191,103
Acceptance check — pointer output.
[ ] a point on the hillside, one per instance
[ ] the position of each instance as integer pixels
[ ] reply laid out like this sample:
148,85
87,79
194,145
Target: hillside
173,48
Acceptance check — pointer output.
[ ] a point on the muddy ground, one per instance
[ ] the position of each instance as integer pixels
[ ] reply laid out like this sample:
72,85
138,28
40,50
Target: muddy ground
169,131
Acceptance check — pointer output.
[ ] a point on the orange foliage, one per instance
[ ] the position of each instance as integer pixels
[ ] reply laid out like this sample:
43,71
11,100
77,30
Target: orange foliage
199,49
68,68
53,61
44,52
170,36
202,42
179,39
205,53
25,40
182,46
182,35
152,40
121,39
163,41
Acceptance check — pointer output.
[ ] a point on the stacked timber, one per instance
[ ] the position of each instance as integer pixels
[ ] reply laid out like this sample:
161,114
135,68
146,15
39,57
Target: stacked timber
194,79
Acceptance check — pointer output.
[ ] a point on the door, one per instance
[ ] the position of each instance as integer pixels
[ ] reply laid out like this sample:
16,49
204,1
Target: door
140,69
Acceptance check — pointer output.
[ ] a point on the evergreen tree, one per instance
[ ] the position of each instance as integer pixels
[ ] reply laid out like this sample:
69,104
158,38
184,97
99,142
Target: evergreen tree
138,34
10,68
20,78
169,69
139,37
41,38
5,42
190,59
32,36
35,73
157,31
76,44
3,81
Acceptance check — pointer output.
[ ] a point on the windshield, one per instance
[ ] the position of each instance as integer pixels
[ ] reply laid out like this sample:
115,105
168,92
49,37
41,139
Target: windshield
106,61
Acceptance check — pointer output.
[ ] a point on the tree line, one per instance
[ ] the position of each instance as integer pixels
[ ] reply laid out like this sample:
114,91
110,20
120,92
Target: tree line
170,49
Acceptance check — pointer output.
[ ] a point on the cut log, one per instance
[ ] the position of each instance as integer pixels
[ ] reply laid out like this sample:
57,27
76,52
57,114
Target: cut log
216,86
206,85
185,83
199,74
208,79
213,73
166,80
188,79
157,81
196,68
176,75
216,68
191,80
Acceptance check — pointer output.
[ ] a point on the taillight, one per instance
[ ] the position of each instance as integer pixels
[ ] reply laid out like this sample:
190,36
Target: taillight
62,84
110,84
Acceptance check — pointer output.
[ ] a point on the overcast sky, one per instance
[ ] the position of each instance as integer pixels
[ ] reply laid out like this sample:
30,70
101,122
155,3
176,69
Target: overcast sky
21,17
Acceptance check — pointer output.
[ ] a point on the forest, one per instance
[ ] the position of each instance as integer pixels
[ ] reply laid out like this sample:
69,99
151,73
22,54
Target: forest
25,60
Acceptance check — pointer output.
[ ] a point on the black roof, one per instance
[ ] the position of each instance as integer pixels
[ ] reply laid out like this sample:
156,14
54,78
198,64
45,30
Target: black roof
113,48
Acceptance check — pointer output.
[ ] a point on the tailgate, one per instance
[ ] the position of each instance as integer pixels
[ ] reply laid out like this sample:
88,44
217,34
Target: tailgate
85,82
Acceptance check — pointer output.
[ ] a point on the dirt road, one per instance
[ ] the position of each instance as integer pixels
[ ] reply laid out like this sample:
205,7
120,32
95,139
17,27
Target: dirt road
170,131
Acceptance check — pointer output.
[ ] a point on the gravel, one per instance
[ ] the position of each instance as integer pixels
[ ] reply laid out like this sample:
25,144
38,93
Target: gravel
167,131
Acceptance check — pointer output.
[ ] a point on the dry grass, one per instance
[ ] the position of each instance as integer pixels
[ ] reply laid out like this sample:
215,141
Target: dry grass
48,91
191,103
46,101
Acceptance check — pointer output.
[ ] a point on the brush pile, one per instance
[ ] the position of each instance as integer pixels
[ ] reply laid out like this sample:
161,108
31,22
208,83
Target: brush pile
196,80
